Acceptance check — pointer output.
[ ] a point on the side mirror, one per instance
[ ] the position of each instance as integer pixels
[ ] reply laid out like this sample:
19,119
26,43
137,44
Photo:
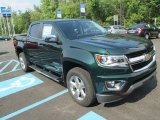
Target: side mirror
51,39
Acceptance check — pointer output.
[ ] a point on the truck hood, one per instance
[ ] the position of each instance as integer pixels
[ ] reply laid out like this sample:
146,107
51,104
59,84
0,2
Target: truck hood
118,44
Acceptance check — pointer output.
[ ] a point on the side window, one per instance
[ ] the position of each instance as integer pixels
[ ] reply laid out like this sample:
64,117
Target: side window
35,31
47,30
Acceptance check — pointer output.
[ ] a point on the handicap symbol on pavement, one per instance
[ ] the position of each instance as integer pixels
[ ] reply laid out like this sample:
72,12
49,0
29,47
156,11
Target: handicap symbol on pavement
22,82
18,84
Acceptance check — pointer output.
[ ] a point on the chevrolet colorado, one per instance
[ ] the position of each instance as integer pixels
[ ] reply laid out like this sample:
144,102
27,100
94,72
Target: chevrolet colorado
94,65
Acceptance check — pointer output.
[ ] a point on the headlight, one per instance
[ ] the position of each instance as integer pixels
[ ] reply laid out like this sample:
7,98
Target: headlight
110,60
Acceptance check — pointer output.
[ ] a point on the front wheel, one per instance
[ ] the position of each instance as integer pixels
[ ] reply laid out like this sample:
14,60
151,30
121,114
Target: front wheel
80,86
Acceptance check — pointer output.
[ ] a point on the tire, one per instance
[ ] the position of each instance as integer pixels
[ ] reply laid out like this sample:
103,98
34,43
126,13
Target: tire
158,36
24,63
146,36
82,87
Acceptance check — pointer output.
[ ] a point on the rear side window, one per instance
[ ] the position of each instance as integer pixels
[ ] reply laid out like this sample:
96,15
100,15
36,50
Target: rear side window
141,26
35,31
116,27
135,26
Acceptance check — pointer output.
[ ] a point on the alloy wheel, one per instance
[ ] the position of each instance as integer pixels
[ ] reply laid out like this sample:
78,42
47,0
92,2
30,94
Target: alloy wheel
77,88
147,36
22,63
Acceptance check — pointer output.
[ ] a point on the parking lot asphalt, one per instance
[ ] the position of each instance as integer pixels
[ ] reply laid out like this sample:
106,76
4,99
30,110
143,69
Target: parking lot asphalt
48,100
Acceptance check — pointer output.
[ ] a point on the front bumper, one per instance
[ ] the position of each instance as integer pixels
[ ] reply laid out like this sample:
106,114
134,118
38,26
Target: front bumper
110,97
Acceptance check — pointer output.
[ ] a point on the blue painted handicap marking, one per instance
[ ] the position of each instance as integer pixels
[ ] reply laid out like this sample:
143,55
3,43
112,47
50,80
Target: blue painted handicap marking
20,111
5,65
91,116
17,84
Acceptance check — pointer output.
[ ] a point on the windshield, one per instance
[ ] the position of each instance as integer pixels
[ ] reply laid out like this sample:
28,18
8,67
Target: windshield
74,29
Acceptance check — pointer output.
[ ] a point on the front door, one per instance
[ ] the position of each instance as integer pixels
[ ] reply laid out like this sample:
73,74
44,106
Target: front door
52,52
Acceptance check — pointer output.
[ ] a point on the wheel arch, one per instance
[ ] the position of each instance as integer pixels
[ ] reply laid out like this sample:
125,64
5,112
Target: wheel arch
70,63
18,50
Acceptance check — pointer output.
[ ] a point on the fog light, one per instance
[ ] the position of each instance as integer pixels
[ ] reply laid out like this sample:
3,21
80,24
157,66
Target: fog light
115,85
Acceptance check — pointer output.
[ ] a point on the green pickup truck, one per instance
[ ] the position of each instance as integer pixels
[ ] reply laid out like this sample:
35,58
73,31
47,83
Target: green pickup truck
94,65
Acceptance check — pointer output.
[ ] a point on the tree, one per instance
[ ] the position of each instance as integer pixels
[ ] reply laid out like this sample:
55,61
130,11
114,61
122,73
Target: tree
70,10
48,8
22,22
36,14
102,11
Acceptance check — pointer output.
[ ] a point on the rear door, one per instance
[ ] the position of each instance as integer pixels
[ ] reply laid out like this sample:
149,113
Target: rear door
33,50
43,54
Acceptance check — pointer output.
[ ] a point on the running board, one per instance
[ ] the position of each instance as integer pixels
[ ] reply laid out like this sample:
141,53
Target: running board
47,74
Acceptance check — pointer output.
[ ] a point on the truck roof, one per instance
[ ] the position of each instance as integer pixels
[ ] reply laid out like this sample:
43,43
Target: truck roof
56,20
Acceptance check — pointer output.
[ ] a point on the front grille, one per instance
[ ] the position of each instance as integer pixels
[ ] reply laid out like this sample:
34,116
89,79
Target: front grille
136,54
139,53
140,65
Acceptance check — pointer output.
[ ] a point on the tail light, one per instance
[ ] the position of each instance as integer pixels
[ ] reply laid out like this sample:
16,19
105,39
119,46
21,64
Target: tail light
126,31
109,30
15,42
139,30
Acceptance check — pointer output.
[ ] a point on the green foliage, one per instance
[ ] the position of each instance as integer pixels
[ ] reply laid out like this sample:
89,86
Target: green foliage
22,21
158,21
48,8
36,14
69,10
102,11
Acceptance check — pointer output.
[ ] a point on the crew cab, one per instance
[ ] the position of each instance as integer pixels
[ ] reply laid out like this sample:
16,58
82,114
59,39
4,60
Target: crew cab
94,65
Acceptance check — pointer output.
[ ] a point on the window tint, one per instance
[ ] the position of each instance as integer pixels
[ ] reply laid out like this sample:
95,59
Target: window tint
47,30
35,31
80,28
138,26
142,25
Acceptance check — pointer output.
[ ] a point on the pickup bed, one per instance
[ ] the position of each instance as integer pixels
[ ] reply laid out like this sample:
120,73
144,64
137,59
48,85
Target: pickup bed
94,65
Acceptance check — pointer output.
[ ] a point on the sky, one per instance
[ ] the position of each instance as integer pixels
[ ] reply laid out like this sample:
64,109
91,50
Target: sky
22,5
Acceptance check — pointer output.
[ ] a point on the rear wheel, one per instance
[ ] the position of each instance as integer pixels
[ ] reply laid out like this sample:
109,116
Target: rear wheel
24,63
80,86
147,36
